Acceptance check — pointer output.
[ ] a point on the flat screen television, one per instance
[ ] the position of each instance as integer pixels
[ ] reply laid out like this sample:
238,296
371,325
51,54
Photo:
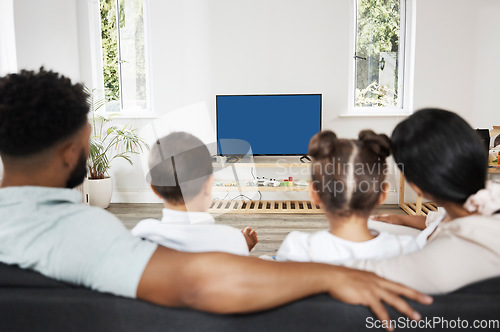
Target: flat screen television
269,124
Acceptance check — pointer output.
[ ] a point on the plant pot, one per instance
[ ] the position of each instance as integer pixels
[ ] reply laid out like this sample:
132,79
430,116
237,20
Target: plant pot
100,192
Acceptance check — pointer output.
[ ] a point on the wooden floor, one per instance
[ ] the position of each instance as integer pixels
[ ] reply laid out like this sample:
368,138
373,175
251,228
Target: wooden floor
271,228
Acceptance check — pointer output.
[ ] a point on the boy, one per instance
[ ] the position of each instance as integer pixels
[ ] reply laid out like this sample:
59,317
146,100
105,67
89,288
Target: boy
181,174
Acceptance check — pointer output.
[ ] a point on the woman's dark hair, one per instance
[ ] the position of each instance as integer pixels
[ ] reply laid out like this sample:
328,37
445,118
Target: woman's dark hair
441,154
179,166
348,175
38,110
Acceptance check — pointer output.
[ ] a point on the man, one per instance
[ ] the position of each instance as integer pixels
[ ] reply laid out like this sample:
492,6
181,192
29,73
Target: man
44,143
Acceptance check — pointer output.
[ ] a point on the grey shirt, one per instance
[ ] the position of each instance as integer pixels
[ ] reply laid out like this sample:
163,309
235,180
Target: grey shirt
48,230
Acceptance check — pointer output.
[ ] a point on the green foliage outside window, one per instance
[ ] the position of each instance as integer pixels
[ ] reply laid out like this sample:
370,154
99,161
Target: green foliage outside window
123,49
378,31
378,26
109,38
140,52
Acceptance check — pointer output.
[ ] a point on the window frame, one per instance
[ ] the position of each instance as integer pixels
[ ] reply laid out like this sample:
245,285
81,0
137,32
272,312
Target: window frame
8,56
406,58
97,61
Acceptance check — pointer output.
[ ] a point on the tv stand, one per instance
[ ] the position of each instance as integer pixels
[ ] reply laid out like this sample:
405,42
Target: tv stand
259,206
305,157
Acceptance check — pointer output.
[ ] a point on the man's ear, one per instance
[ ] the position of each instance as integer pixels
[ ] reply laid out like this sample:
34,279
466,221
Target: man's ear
384,191
71,150
70,154
313,194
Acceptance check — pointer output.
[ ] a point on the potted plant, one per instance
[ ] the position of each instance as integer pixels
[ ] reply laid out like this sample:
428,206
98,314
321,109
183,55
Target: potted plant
107,143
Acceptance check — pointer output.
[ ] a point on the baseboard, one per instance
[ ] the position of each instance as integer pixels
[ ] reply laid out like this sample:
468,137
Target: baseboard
392,198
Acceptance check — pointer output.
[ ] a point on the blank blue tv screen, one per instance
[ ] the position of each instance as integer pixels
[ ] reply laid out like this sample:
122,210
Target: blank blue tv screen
271,124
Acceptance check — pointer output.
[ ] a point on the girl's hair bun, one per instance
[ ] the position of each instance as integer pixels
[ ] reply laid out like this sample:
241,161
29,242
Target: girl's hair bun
379,144
323,144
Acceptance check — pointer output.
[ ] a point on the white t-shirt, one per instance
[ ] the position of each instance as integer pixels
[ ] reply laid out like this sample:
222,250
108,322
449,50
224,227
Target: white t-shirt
324,247
192,232
50,231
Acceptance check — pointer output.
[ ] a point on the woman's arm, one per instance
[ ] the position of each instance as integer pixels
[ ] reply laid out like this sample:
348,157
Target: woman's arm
224,283
445,264
417,222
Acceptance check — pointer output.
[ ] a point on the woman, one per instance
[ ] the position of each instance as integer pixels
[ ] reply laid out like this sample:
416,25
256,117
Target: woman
444,161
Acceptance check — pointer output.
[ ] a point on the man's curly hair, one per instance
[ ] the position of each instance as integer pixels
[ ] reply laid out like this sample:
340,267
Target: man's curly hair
38,110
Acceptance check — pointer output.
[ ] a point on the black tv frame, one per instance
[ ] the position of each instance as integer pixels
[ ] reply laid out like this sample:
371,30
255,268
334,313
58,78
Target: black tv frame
259,95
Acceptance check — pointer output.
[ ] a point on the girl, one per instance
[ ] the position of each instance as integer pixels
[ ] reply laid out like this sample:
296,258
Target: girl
348,182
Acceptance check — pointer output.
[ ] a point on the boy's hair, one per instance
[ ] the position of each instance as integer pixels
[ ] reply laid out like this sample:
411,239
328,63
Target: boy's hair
179,164
38,110
348,175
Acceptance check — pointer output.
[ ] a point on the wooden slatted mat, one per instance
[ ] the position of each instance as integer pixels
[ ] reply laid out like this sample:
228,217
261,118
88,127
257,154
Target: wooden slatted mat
414,209
238,206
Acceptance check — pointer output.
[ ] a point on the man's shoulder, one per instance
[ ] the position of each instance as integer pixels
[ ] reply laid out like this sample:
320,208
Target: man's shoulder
94,211
81,212
84,220
49,203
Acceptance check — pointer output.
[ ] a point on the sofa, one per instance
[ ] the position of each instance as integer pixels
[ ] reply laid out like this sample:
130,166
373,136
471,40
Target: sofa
32,302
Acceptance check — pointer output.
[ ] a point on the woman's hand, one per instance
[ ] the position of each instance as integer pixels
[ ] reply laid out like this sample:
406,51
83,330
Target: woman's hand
394,219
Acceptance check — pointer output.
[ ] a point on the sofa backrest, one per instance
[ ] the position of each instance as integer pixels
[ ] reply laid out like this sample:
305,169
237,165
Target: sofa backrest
13,276
32,302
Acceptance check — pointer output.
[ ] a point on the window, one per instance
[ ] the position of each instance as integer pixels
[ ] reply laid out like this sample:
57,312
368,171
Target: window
124,60
8,59
380,57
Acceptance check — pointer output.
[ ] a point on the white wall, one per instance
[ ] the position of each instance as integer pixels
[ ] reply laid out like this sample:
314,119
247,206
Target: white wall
203,48
487,71
200,48
457,49
46,34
